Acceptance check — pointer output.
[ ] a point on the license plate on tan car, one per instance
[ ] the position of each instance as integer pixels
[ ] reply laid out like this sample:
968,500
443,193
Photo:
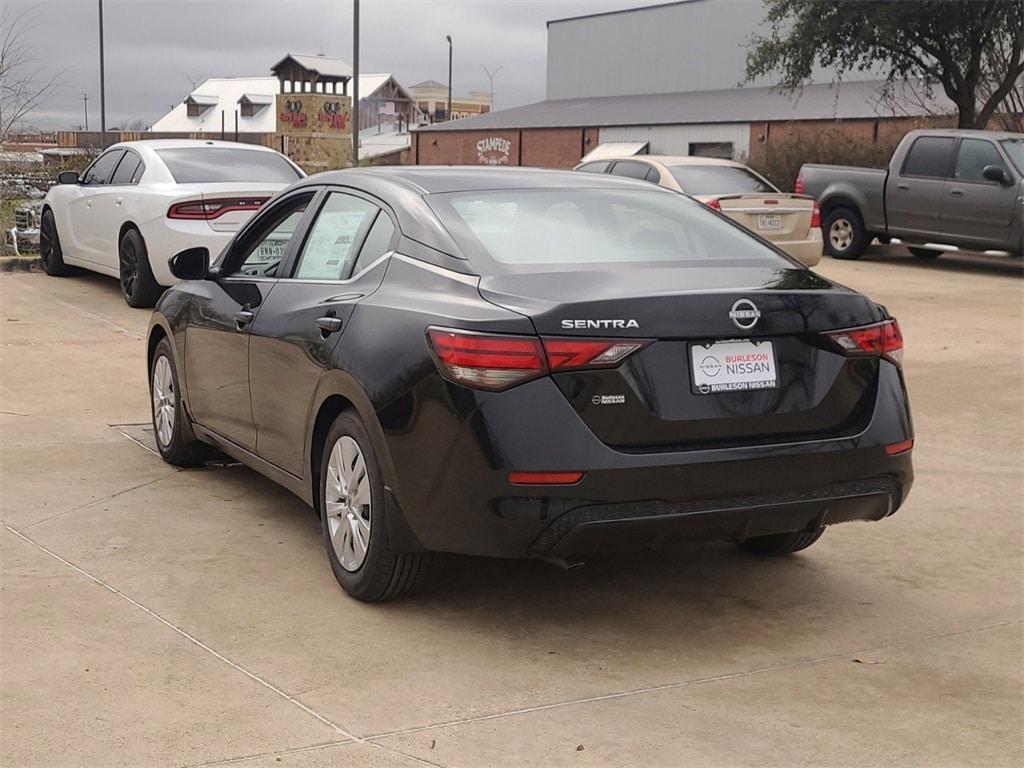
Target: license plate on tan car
769,221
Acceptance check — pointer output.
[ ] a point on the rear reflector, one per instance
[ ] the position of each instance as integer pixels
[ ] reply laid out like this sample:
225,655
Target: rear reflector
901,447
879,340
544,478
495,362
212,209
815,217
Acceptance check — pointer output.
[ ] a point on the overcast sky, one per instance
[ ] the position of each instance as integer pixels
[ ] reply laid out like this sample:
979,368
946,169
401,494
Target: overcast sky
154,47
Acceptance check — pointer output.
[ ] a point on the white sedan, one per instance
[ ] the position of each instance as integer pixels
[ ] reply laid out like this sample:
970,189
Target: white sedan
140,202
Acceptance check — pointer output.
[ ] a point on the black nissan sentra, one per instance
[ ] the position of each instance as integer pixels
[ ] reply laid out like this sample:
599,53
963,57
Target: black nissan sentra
528,363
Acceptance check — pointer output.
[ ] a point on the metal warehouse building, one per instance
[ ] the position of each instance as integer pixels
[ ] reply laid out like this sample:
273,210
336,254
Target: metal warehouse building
663,80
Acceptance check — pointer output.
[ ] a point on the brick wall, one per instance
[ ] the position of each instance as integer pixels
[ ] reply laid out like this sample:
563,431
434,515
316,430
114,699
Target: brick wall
541,147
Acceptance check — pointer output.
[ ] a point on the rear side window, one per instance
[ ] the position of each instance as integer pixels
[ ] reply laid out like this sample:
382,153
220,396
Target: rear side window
630,169
531,230
928,157
335,237
972,158
100,171
126,169
598,166
718,180
193,165
377,243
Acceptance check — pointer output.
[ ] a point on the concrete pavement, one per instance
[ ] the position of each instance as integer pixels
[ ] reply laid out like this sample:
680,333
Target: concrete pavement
151,616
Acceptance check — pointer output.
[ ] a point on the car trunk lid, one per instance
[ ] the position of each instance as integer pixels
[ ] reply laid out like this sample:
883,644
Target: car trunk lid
774,216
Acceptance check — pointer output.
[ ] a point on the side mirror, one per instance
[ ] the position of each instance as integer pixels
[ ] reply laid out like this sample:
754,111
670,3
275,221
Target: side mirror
67,177
191,264
995,173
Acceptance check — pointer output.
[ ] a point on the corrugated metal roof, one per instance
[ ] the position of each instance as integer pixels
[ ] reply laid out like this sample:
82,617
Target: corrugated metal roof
734,105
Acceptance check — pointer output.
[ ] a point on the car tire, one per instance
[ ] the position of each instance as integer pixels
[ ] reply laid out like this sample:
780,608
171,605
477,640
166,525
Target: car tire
354,513
138,286
923,253
172,430
778,544
844,234
50,253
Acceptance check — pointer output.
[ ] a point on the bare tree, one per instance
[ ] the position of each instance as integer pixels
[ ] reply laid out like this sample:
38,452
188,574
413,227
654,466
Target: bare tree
23,84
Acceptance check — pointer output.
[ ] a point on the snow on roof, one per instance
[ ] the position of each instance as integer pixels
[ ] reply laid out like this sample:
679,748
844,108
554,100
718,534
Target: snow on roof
326,66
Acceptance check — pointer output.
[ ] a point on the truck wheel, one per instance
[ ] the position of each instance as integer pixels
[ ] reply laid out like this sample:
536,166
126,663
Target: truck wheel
844,234
923,253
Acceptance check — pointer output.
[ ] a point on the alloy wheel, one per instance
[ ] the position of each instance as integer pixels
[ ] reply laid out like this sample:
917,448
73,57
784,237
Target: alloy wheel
840,234
347,503
45,242
164,400
129,263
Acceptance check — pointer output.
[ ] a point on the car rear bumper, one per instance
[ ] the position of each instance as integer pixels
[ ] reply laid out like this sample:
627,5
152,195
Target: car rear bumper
456,496
807,251
166,237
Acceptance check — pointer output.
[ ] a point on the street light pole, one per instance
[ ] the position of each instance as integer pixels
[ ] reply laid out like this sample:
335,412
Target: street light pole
355,83
103,90
448,114
490,79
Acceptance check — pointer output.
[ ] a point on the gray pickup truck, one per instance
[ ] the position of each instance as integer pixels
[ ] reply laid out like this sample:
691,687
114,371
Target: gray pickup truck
943,188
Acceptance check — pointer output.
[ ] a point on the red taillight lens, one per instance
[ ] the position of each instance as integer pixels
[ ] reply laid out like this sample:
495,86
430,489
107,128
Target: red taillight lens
211,209
484,361
815,217
879,340
798,185
565,354
495,362
714,204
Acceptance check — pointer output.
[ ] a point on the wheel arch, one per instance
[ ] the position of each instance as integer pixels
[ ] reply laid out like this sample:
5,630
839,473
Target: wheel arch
125,227
830,204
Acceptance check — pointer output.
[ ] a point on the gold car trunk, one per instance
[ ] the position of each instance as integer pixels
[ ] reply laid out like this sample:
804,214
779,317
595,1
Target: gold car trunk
776,217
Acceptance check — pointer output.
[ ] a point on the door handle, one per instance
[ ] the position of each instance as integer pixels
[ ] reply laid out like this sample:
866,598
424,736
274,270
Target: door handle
956,192
119,200
904,187
243,318
328,325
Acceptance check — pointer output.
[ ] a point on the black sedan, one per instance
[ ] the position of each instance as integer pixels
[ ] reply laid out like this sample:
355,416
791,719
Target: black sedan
528,363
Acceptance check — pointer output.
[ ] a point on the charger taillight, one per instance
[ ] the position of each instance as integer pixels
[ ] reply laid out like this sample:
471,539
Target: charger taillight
498,361
214,208
879,340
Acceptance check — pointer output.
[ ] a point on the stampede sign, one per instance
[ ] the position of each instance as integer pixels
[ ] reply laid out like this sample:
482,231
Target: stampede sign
494,150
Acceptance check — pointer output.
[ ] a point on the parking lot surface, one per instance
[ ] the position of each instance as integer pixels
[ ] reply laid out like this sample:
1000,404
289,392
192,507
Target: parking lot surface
152,616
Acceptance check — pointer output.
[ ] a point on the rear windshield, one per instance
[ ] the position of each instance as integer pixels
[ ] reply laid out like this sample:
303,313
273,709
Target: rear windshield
530,230
190,165
718,180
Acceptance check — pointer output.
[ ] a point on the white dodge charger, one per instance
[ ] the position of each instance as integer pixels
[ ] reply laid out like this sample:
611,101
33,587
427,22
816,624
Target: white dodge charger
140,202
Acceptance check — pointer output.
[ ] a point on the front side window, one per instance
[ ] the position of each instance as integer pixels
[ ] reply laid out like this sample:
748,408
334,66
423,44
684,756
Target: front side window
195,165
101,171
521,230
335,237
265,247
718,180
928,157
1015,149
972,158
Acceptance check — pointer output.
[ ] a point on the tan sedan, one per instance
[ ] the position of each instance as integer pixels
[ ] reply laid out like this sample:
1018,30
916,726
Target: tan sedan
792,222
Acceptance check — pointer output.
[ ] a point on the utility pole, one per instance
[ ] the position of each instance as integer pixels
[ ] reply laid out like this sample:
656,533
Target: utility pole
85,102
103,92
490,79
448,114
355,83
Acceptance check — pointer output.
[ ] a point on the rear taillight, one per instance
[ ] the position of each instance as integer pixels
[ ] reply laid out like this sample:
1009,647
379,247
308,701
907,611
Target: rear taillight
815,217
879,340
714,204
495,362
798,185
211,209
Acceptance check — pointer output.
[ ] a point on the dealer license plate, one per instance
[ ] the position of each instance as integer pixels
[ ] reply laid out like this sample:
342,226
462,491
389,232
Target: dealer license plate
733,366
270,251
769,221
